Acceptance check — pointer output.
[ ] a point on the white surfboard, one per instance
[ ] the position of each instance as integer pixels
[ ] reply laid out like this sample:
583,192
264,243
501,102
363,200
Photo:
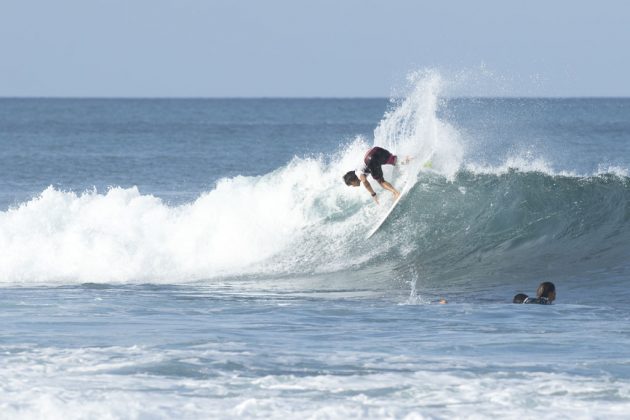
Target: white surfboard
404,192
427,165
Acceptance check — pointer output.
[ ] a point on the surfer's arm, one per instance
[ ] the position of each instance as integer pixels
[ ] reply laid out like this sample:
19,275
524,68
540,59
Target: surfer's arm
368,187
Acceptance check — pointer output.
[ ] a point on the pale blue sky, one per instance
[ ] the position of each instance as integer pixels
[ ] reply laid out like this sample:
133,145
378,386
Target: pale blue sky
287,48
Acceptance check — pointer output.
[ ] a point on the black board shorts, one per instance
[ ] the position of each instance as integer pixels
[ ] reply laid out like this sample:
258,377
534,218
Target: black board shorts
375,158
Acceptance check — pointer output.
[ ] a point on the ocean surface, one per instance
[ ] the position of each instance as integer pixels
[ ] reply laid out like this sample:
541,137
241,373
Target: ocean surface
202,258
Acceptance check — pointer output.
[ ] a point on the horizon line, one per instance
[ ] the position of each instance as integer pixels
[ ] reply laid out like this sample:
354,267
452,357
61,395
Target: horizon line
300,97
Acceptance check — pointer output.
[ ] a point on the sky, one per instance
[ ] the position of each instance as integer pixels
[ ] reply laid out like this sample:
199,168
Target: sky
318,48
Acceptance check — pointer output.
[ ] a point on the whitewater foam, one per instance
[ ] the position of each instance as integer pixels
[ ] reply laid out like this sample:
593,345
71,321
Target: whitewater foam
52,383
123,235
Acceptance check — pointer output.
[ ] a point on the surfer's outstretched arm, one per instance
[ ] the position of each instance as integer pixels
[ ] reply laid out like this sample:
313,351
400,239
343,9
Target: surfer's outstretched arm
368,187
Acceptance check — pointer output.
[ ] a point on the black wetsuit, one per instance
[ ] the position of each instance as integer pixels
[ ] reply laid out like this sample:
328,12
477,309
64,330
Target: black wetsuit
538,300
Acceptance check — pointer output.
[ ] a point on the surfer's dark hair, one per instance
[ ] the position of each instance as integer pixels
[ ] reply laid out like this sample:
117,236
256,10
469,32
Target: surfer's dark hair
519,298
349,177
545,289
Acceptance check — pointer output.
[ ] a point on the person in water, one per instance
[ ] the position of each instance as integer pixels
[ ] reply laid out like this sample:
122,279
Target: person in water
372,162
545,294
519,298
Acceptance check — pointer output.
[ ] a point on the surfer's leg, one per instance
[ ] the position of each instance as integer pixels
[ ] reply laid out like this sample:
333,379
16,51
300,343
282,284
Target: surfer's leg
377,173
389,187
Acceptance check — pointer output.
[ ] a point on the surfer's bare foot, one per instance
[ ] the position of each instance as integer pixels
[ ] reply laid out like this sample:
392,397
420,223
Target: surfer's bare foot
396,195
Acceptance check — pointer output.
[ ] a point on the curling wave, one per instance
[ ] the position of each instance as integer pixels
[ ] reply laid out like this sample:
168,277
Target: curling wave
459,221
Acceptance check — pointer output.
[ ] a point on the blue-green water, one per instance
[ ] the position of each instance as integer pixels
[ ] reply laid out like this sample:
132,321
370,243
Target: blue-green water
203,259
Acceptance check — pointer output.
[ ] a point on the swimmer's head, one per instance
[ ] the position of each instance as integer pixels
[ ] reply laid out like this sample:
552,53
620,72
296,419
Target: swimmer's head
547,290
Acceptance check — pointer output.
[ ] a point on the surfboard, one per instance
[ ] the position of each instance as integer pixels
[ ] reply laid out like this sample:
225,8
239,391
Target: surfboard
404,192
405,189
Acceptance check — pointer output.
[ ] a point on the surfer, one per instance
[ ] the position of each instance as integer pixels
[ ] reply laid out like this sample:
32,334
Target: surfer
372,162
545,294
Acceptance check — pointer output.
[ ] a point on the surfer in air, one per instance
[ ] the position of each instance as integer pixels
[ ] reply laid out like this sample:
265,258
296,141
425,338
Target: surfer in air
372,162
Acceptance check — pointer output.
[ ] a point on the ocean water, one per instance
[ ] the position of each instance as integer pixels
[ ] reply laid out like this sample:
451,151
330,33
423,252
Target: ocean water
202,258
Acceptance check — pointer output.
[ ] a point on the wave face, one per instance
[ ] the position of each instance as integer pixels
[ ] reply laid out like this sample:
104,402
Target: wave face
514,225
461,221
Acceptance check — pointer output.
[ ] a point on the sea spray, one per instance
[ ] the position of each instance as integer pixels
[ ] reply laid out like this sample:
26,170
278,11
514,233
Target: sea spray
413,129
